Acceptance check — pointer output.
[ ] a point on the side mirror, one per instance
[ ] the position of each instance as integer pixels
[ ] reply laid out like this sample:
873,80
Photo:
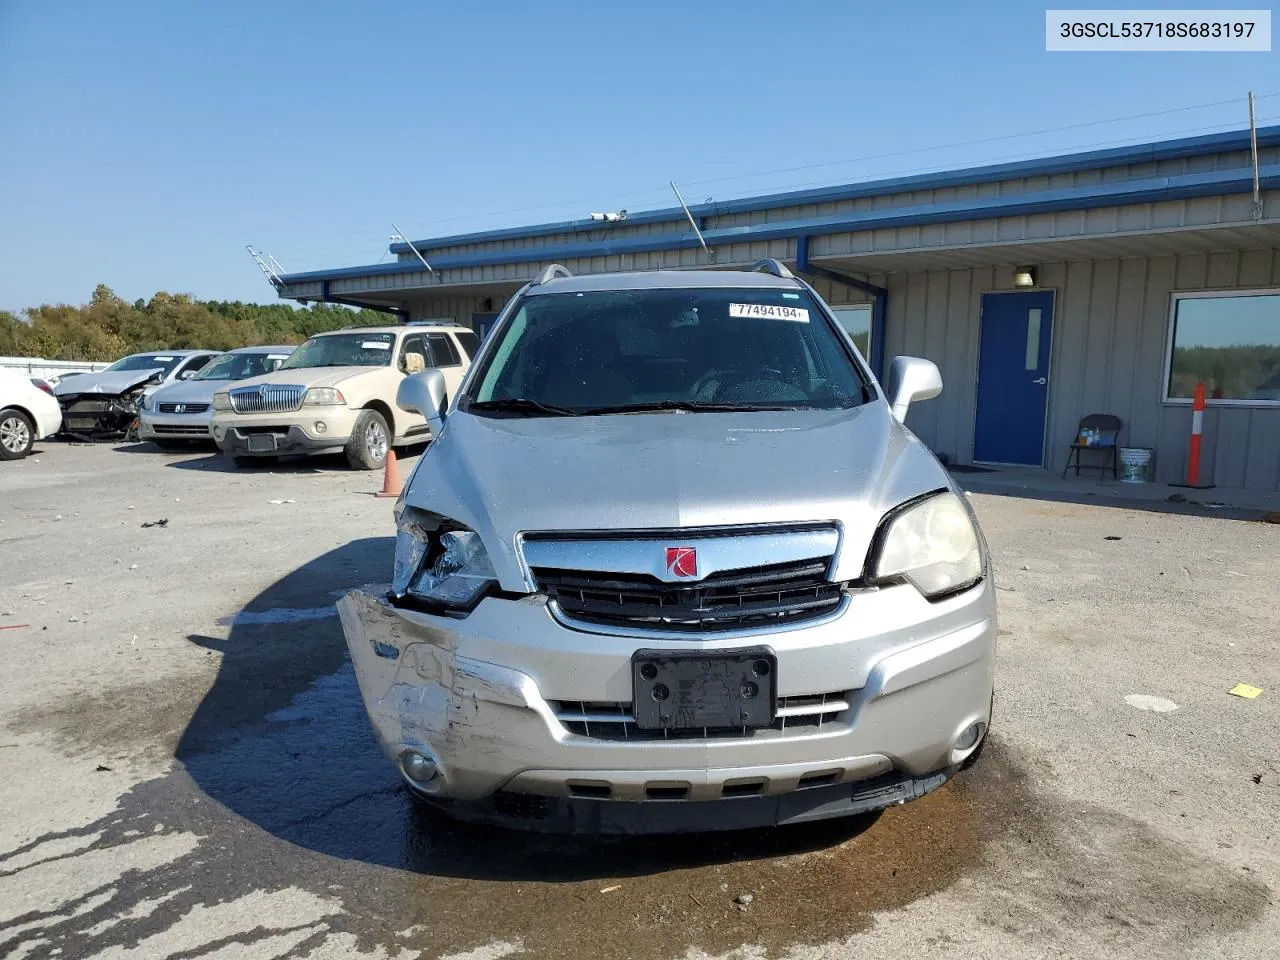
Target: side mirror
424,393
912,379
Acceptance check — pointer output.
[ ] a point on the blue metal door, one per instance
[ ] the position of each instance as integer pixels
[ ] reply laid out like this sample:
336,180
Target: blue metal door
1013,378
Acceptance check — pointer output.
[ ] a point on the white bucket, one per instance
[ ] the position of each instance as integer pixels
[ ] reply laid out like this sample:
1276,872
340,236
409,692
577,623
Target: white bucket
1133,464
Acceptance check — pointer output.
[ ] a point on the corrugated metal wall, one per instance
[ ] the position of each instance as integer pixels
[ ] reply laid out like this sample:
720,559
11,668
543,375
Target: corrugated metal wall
1109,339
1013,186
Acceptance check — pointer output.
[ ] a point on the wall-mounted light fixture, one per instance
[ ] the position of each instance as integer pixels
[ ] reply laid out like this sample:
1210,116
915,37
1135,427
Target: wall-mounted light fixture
1024,276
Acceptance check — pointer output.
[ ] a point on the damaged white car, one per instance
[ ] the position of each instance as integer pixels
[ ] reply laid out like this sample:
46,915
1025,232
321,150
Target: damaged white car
104,405
674,563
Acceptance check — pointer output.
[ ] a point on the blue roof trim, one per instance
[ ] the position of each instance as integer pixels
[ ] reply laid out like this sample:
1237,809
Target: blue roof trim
1044,166
1123,193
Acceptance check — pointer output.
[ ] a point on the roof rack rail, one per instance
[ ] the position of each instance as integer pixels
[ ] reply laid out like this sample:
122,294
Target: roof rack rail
551,272
770,265
447,322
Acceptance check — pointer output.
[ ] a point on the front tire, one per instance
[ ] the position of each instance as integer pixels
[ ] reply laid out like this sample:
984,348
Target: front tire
369,443
17,434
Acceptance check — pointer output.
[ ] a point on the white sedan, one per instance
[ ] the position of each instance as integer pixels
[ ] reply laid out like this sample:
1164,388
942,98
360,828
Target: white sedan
27,413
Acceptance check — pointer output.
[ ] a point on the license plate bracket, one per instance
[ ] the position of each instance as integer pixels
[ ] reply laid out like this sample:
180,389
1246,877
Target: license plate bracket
704,689
261,442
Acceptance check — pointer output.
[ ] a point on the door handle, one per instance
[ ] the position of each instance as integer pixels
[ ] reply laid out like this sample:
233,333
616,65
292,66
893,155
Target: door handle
1042,381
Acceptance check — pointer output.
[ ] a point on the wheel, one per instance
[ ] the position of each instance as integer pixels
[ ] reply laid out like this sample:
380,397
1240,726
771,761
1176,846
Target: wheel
370,440
17,434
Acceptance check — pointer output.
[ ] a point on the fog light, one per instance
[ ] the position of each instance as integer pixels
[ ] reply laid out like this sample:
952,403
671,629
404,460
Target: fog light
321,426
418,768
969,737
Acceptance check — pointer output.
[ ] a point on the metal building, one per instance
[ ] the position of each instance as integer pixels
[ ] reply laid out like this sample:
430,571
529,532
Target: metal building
1102,282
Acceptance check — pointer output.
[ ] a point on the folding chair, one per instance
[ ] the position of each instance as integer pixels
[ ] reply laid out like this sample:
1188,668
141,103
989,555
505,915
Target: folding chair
1104,430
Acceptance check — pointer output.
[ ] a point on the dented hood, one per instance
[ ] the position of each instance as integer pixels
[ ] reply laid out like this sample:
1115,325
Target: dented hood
504,477
108,384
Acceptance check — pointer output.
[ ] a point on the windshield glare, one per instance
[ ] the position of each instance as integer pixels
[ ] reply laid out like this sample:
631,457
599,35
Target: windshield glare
343,350
240,366
145,361
738,348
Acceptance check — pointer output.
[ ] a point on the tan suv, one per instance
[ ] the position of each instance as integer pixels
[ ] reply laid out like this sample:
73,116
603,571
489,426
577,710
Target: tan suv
337,393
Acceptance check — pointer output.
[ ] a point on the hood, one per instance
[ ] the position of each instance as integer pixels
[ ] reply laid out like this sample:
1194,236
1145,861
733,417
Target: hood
188,391
109,384
308,376
504,477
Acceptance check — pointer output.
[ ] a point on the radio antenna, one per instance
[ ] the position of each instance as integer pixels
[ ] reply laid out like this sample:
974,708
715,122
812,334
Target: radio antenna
269,266
400,236
692,222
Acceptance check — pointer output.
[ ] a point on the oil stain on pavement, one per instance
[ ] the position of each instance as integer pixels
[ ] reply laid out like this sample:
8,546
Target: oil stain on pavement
283,831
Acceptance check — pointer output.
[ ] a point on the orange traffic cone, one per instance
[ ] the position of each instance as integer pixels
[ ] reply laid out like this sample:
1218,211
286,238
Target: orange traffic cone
391,484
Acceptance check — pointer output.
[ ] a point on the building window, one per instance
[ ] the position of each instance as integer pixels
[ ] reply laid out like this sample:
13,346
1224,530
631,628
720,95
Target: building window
856,320
1230,342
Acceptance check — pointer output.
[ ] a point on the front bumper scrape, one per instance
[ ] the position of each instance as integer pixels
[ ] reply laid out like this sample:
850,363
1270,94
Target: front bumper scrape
419,691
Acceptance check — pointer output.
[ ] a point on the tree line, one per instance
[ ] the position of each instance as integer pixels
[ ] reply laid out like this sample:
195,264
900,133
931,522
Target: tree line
108,327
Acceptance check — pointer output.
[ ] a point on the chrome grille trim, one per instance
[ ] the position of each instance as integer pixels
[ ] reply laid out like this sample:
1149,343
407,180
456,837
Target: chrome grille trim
796,716
267,398
186,407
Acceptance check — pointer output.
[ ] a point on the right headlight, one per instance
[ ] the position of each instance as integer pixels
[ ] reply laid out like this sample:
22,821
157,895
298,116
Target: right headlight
932,544
438,562
222,401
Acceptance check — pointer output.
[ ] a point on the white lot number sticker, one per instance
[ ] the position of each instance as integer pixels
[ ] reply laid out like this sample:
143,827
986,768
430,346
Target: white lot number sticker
375,345
161,359
769,311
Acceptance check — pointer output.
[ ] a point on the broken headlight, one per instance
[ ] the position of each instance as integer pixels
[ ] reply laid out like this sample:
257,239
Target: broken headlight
932,544
438,562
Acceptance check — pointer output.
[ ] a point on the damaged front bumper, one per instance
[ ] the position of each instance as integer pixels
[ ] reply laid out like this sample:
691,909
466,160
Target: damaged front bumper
98,417
506,707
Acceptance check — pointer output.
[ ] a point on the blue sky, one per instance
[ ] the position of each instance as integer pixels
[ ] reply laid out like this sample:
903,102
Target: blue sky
145,141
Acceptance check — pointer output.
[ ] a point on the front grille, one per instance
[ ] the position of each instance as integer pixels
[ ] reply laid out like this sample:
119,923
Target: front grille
182,407
267,398
87,406
768,595
180,430
796,716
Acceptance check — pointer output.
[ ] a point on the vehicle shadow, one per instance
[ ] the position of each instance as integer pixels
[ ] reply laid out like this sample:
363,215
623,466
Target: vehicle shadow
281,740
215,461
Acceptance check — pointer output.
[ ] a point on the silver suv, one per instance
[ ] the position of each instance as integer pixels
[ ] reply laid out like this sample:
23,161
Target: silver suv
673,563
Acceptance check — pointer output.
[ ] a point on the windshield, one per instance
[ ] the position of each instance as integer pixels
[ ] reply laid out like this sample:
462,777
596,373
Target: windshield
240,366
711,349
343,350
145,361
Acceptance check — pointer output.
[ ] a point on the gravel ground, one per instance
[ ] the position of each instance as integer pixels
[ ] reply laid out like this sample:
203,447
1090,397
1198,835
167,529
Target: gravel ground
187,770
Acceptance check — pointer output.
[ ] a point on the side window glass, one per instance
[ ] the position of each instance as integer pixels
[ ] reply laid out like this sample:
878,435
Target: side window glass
413,355
443,350
469,341
196,363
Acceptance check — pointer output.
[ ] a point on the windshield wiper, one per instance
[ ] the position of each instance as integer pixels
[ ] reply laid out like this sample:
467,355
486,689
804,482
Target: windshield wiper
693,406
524,405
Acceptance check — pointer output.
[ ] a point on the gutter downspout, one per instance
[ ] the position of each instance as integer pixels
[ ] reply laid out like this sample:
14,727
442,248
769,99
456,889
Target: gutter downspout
879,300
327,297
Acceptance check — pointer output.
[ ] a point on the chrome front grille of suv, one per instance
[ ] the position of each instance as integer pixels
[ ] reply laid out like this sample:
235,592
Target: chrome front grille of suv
267,398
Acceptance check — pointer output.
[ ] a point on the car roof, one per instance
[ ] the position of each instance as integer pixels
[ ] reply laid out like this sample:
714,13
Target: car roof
665,280
395,328
168,353
283,348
